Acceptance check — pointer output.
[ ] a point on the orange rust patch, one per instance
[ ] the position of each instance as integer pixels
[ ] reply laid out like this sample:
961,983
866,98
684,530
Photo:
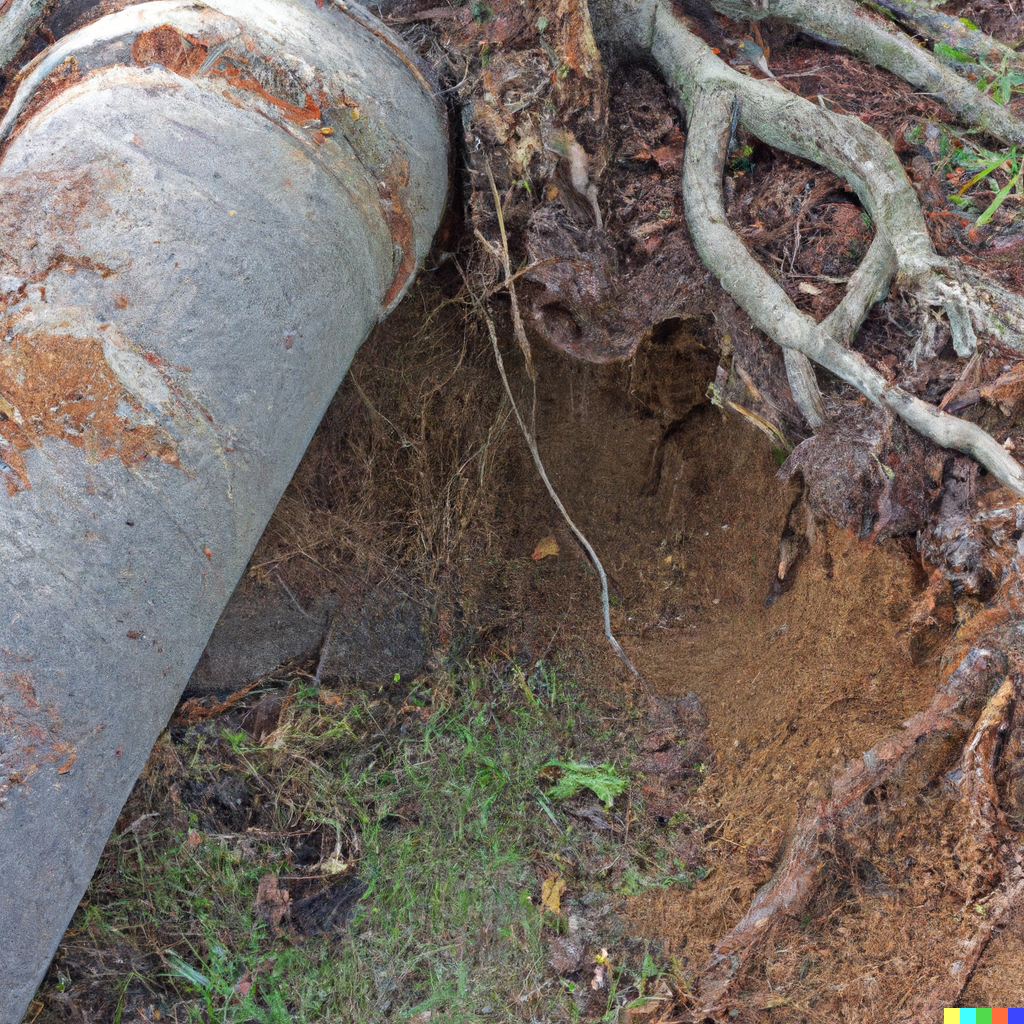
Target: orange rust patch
240,79
164,45
57,385
396,177
29,738
184,55
23,684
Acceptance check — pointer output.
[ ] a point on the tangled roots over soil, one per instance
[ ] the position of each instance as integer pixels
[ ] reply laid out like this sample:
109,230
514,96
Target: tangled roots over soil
974,706
717,98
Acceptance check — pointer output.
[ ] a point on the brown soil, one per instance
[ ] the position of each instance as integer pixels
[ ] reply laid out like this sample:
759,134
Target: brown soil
685,508
793,693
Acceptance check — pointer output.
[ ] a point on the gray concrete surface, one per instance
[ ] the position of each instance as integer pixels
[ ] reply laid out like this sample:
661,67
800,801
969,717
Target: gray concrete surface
186,269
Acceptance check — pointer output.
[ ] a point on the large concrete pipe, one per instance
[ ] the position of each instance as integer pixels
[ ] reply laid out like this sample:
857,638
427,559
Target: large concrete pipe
203,211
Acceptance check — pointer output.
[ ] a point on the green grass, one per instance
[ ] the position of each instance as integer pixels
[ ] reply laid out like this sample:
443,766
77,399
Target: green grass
437,801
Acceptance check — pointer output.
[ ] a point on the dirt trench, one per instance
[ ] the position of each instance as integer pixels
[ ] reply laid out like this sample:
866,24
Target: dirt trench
684,505
686,509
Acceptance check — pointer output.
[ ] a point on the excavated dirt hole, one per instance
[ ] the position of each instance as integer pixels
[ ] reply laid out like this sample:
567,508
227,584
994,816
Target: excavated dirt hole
685,509
684,506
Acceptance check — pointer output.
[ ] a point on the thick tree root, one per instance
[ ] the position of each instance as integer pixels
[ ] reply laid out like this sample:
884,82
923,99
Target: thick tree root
864,33
713,94
944,28
715,97
854,795
977,785
774,312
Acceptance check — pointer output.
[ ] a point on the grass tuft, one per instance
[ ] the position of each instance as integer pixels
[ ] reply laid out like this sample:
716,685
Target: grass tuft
378,856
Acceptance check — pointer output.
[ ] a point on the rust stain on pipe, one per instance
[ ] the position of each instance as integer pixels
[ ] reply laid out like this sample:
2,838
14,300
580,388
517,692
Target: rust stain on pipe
261,76
30,735
61,386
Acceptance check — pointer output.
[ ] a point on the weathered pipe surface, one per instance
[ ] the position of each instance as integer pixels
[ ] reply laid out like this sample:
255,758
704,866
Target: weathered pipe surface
189,258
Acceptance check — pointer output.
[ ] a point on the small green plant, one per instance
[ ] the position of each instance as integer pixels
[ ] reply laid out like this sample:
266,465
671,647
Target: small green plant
239,741
603,780
1000,83
886,471
216,986
663,872
991,163
951,53
1004,86
480,12
741,161
544,682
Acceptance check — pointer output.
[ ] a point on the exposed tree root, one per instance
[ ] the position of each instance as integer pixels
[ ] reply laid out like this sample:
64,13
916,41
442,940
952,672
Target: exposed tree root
866,34
978,850
714,97
995,908
855,793
774,312
944,28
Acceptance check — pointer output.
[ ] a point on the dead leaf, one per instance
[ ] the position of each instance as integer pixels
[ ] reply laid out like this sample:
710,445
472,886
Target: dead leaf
551,893
334,865
807,288
545,546
273,904
669,157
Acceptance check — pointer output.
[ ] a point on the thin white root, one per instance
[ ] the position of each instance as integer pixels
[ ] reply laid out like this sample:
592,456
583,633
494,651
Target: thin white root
531,441
576,531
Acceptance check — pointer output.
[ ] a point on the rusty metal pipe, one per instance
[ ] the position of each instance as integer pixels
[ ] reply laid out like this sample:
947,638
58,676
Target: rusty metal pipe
203,211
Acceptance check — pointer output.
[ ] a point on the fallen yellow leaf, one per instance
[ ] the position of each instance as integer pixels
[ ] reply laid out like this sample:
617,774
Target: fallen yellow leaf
546,546
551,890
